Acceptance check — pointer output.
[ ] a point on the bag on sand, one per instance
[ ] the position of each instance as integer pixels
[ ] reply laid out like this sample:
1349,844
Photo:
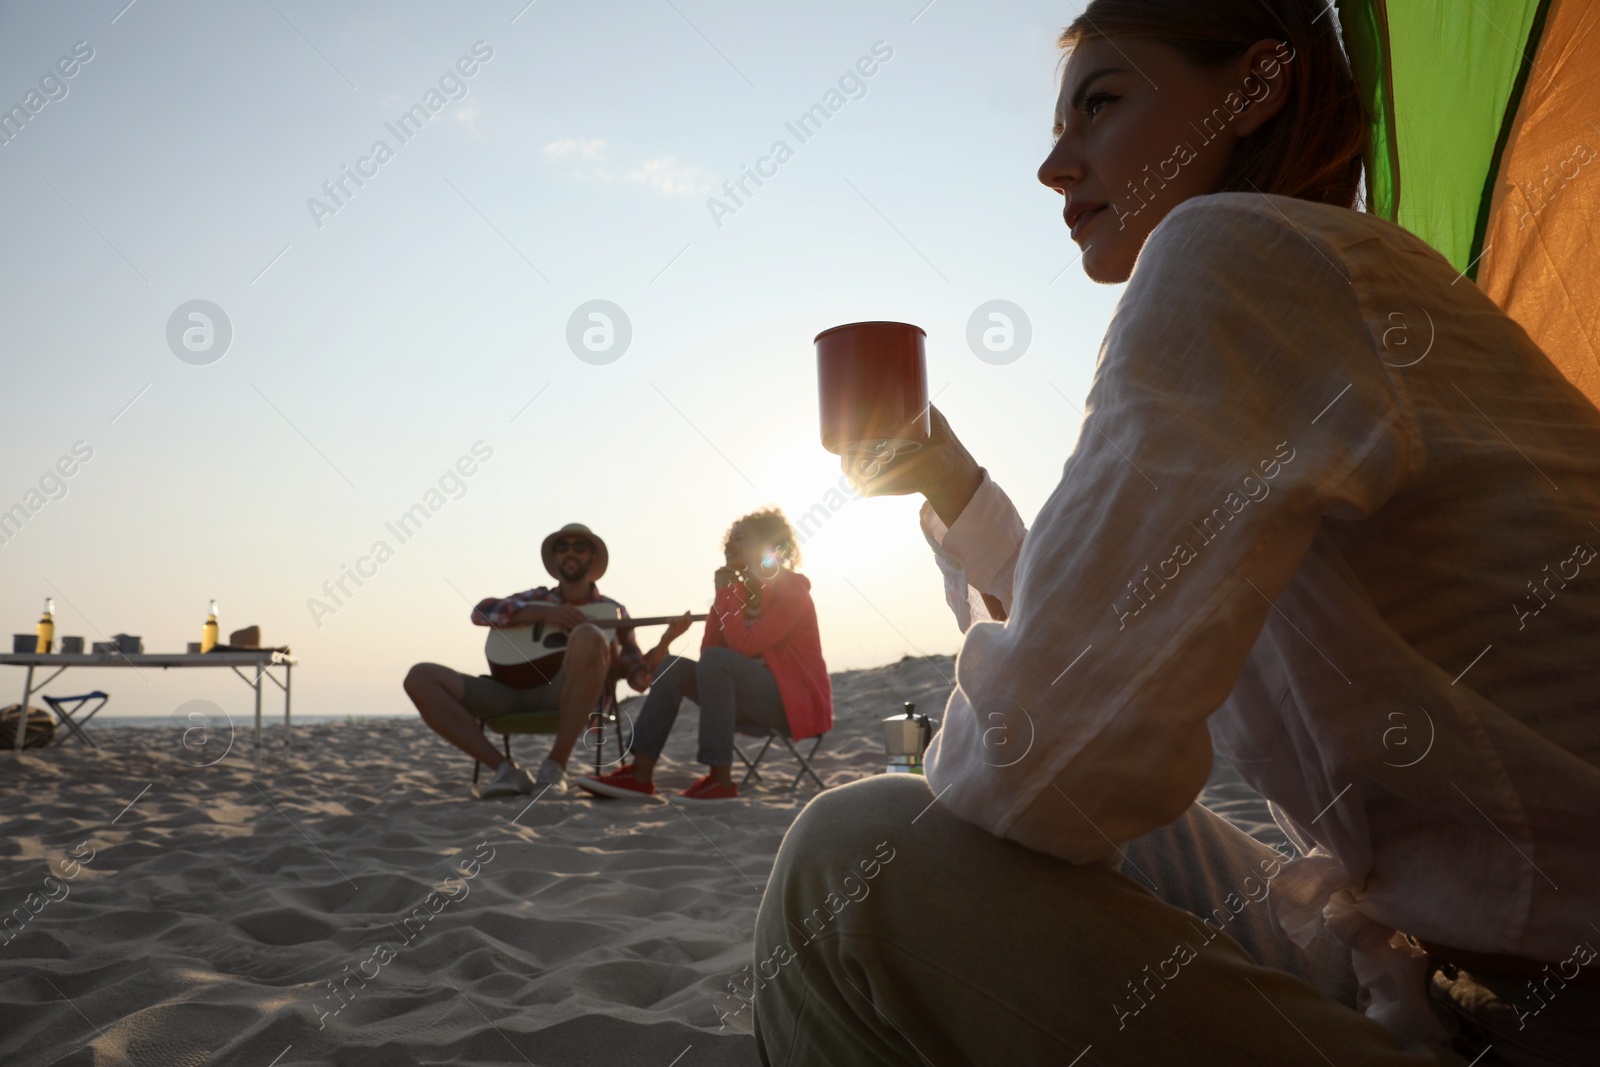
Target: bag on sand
40,731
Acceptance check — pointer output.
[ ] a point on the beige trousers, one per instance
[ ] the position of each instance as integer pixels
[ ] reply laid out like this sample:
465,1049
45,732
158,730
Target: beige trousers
893,933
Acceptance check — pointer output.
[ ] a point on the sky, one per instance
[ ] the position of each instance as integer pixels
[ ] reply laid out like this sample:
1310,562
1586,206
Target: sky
252,364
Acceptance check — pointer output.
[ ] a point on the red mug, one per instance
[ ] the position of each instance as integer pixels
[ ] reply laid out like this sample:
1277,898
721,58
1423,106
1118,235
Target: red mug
872,385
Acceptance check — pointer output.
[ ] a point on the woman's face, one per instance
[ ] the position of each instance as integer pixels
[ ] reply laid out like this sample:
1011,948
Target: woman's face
750,552
1140,129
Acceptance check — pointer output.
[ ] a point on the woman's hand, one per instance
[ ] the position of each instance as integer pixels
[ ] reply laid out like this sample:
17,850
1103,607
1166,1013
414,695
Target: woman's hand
942,470
724,577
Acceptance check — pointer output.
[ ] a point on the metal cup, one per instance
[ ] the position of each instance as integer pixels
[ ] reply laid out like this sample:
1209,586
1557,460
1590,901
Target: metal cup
872,386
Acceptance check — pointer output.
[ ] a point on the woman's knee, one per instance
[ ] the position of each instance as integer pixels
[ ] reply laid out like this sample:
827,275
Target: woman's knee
717,660
860,810
836,880
849,832
673,673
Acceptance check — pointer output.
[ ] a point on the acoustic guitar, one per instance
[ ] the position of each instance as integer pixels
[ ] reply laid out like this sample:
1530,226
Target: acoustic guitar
527,656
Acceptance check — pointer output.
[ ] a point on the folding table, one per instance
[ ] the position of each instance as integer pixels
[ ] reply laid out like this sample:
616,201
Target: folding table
263,660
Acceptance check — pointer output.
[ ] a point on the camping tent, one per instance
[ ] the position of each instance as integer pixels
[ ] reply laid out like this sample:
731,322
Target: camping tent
1486,143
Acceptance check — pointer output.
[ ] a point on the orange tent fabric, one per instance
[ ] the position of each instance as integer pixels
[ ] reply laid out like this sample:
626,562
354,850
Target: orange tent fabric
1486,143
1541,260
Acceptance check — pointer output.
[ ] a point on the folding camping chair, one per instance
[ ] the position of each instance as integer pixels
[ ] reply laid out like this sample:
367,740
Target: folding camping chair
778,735
65,714
548,722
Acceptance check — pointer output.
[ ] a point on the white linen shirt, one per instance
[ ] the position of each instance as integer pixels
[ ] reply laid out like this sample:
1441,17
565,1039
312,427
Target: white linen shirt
1333,516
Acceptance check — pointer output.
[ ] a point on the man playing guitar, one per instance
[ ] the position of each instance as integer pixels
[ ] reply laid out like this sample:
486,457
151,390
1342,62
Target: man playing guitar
454,704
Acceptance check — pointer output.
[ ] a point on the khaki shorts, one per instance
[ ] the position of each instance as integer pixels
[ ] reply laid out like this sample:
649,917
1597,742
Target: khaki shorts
486,698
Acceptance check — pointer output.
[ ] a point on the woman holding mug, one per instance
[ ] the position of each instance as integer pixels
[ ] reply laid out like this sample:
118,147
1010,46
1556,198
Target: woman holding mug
1357,574
760,664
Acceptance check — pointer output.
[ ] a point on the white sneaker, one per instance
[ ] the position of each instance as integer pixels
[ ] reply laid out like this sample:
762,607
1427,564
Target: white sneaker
508,781
552,778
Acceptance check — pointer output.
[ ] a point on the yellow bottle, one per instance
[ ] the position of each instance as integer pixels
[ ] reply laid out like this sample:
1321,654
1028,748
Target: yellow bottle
47,627
208,633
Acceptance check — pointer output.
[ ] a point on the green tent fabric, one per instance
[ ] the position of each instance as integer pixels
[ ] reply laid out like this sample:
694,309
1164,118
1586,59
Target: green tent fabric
1485,142
1441,78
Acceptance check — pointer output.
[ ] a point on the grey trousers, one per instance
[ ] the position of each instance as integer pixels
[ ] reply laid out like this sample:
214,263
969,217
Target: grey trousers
732,689
893,933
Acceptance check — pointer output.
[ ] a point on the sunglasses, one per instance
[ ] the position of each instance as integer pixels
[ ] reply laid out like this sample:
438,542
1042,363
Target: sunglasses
564,545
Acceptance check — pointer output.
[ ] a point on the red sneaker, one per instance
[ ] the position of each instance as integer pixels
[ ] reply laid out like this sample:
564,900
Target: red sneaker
707,788
619,783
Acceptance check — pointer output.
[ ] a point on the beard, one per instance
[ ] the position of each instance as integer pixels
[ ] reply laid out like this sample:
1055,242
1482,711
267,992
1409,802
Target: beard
573,570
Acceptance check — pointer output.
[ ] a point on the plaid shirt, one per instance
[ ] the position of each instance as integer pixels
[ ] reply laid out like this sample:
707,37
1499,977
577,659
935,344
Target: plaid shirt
494,611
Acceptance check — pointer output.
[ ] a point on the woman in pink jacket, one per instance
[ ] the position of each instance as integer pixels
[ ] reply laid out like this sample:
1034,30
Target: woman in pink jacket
760,664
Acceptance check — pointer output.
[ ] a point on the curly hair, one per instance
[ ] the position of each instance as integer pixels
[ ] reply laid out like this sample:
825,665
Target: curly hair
771,526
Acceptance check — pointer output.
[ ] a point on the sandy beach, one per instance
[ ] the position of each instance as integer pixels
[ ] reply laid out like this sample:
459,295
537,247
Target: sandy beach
351,903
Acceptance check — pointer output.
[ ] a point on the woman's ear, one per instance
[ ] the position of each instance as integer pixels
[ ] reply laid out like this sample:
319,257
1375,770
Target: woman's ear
1266,72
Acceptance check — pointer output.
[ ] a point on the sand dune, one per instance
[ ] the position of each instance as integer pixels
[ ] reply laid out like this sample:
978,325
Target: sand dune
351,904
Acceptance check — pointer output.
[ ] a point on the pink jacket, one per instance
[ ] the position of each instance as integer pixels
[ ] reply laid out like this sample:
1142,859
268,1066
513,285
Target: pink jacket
785,636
